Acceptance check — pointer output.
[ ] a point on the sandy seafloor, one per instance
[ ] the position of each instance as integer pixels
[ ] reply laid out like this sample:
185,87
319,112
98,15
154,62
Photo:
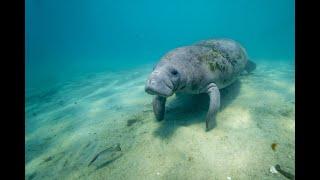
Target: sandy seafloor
66,126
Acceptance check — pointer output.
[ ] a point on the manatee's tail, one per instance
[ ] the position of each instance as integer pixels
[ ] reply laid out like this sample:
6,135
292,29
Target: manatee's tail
250,66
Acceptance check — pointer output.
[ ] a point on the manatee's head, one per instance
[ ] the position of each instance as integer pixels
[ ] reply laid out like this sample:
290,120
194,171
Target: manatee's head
164,79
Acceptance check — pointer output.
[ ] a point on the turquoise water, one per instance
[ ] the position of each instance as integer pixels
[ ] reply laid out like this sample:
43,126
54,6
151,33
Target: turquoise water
70,37
86,65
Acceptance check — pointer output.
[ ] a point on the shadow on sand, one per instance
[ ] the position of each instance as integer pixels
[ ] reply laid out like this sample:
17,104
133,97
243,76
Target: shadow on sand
187,109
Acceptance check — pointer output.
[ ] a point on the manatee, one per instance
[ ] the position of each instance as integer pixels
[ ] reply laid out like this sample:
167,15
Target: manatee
203,67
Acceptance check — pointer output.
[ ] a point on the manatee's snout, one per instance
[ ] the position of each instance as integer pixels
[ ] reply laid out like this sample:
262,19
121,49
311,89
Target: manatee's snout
159,84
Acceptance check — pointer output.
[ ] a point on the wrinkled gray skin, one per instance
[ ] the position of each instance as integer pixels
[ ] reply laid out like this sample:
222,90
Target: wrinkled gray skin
204,67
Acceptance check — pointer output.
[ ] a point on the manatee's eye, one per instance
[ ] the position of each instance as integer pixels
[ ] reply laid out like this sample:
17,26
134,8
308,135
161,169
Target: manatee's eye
174,72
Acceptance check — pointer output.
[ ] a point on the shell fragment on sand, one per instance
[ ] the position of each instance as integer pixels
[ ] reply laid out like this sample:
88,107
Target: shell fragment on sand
273,170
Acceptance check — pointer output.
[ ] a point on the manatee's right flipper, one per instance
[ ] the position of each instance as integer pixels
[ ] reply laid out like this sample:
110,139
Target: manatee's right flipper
250,66
214,106
158,104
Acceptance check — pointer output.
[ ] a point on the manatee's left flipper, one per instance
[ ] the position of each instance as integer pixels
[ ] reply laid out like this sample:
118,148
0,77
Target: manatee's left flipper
158,104
214,95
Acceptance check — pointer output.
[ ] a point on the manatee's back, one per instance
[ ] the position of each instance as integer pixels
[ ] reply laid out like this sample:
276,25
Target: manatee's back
229,49
226,60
